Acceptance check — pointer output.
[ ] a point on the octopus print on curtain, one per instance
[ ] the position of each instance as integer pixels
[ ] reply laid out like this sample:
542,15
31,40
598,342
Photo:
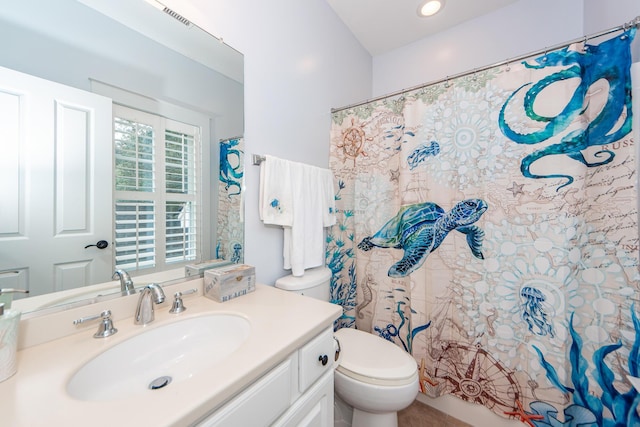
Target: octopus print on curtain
488,226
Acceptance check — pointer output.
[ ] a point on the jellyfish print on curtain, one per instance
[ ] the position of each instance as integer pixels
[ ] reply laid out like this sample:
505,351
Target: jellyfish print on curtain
488,226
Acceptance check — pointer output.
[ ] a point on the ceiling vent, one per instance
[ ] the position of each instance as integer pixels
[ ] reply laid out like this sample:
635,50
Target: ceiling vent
177,16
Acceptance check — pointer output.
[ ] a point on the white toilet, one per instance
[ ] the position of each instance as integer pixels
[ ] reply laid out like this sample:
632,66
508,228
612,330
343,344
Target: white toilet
374,376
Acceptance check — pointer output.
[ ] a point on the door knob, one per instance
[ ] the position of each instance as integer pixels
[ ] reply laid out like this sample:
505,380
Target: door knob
100,245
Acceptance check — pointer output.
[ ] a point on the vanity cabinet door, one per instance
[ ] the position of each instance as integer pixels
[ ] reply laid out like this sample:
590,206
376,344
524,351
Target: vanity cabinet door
260,404
299,392
315,359
314,408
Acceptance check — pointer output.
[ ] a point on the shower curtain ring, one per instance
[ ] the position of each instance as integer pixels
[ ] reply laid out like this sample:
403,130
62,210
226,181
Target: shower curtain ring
446,83
625,28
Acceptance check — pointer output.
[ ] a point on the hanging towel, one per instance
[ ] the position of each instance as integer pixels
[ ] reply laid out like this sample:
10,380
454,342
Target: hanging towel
305,205
275,199
314,206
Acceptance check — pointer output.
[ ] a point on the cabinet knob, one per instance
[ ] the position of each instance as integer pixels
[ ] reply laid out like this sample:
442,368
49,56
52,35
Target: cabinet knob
323,359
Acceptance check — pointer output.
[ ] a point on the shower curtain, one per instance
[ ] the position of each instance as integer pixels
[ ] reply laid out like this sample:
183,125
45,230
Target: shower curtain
488,226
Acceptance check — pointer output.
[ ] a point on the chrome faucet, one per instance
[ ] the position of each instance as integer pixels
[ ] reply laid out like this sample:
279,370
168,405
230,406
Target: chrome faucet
126,284
150,294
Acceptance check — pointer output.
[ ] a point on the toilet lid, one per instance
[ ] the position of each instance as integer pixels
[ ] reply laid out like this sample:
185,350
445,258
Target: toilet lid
370,356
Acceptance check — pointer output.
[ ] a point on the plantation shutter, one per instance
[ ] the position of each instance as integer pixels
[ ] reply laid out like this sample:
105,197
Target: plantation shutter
156,190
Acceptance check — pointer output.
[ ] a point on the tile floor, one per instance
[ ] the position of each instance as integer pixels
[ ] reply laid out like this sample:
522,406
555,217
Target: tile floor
421,415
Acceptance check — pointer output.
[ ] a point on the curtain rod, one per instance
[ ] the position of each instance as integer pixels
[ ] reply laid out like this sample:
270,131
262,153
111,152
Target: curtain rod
229,139
633,23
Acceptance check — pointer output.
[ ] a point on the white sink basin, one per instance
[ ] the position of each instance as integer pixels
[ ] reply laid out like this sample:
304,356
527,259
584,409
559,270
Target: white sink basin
167,354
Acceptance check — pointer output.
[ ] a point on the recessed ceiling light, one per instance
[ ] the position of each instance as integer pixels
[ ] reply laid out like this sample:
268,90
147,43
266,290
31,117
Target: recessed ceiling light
430,7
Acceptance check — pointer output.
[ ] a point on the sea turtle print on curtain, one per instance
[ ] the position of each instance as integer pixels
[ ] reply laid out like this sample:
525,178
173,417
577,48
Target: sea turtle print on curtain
523,304
420,228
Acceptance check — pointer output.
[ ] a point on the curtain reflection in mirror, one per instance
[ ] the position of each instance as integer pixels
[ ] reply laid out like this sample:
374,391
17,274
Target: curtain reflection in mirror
230,228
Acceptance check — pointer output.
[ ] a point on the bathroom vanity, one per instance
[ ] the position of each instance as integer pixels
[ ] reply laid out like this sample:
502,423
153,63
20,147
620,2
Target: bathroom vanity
280,372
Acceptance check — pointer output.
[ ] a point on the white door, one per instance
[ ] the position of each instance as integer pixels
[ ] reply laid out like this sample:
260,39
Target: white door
55,185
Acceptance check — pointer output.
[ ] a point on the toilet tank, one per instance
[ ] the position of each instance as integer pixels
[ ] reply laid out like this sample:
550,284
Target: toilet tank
314,283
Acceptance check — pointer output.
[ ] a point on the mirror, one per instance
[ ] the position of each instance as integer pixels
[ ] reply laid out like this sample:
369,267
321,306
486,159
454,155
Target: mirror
134,54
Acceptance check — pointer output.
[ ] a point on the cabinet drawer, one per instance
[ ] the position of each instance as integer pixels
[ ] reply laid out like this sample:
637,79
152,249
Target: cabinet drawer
311,357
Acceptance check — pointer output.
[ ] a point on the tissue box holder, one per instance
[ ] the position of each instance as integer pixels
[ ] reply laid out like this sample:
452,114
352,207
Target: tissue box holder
225,283
198,269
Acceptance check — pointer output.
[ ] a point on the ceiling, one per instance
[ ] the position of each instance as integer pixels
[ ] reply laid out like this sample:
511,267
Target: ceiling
384,25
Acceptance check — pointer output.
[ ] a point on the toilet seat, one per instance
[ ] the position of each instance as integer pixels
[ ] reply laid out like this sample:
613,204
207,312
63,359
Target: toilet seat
370,359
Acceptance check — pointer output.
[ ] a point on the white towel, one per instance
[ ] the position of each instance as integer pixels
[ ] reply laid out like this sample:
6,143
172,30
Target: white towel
312,205
275,200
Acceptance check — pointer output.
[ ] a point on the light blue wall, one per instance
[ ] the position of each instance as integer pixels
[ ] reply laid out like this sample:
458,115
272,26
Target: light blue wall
300,61
600,15
523,27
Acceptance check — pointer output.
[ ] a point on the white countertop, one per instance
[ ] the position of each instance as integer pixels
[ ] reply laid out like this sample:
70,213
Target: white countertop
280,323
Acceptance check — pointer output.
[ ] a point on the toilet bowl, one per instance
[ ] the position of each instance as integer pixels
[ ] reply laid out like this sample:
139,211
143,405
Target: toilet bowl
372,375
375,377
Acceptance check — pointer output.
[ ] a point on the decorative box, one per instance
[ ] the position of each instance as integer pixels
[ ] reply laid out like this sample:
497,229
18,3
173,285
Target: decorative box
198,269
224,283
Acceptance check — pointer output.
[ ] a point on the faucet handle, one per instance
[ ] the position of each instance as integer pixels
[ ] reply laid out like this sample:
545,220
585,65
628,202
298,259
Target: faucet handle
178,305
105,328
